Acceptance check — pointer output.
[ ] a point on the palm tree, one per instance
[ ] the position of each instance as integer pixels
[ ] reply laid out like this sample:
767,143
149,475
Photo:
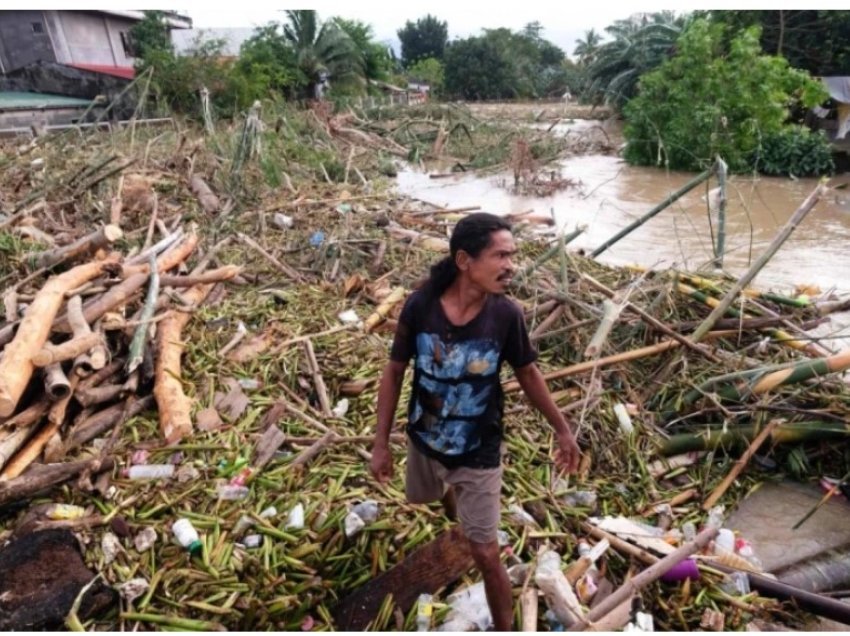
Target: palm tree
586,49
323,51
640,44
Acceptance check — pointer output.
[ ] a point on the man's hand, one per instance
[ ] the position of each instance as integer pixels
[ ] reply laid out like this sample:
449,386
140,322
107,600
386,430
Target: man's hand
382,463
567,454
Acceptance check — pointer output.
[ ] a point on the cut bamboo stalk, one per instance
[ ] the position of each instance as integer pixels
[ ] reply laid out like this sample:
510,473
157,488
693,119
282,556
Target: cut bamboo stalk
649,575
157,248
169,260
547,322
318,380
29,453
750,274
720,169
89,244
610,314
283,267
98,356
175,407
382,311
136,351
16,367
721,489
529,603
51,353
56,383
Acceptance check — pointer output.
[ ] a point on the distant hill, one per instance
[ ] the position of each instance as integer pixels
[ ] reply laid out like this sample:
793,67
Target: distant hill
186,39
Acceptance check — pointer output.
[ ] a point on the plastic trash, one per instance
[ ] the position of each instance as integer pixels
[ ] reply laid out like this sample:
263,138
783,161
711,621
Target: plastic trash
344,208
145,540
133,589
520,517
349,317
684,569
244,524
283,221
295,521
503,538
552,621
353,524
341,408
151,471
424,610
367,510
724,541
715,517
587,586
252,541
65,512
317,239
737,584
581,499
469,610
623,419
689,531
559,594
268,513
241,478
111,546
641,621
186,535
232,492
249,384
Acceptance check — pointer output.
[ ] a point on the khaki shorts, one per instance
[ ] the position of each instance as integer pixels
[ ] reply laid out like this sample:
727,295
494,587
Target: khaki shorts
477,491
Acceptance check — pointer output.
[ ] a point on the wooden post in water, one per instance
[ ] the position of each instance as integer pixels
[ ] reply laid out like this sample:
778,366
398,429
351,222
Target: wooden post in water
720,169
678,194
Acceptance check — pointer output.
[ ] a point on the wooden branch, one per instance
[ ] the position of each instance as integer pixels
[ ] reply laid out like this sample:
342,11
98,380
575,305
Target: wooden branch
228,272
740,465
117,296
10,304
46,476
169,260
318,380
79,328
529,603
51,353
175,419
98,394
29,453
56,383
271,440
307,455
283,267
100,422
548,321
16,367
89,244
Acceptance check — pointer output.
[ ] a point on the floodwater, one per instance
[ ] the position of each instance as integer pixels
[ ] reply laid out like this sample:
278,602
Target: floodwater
611,194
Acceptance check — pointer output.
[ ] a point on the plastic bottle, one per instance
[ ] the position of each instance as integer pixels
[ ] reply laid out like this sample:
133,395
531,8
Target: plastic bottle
186,535
151,471
715,517
424,609
724,541
245,522
65,511
623,419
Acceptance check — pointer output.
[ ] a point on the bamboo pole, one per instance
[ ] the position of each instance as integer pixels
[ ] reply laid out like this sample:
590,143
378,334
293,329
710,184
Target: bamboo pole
678,194
318,380
744,280
16,367
649,575
136,351
720,170
382,311
610,313
174,406
718,492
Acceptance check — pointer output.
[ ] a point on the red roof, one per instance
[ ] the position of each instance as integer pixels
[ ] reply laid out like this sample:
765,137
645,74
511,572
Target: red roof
127,72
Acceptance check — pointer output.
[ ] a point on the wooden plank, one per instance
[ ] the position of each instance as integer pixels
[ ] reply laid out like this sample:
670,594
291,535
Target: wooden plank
434,565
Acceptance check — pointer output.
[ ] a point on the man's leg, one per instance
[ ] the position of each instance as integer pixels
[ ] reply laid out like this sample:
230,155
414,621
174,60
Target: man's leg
497,585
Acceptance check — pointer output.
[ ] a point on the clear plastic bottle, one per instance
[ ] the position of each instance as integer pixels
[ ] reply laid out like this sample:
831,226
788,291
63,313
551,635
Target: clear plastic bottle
689,531
231,492
151,471
186,535
424,610
715,517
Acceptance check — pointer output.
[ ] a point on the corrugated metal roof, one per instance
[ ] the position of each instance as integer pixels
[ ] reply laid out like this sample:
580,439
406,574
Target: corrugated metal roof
20,100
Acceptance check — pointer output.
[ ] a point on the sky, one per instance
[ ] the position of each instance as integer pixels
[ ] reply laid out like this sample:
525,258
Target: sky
562,25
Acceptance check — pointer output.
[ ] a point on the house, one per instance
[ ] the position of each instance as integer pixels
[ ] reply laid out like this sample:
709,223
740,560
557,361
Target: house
96,41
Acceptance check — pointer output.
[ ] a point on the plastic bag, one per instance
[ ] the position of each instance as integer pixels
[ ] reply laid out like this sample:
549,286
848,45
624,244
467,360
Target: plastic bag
469,610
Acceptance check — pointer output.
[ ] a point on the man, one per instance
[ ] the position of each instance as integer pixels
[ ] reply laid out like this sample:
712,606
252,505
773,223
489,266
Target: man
459,328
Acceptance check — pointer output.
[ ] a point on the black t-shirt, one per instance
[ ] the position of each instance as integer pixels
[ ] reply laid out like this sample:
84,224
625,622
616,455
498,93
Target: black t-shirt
455,409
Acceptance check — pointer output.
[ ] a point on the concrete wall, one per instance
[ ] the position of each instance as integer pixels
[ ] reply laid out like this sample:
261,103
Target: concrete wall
91,38
20,44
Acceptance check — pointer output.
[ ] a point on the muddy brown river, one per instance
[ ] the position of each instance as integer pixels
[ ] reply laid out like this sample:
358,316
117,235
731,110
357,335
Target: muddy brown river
611,194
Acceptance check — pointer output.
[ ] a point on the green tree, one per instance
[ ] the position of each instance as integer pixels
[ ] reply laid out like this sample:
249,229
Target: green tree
427,37
708,101
149,36
377,59
586,48
430,71
322,50
815,40
640,43
477,68
266,63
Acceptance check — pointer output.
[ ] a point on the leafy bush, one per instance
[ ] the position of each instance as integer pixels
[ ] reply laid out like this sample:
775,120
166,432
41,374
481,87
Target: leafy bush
706,102
797,151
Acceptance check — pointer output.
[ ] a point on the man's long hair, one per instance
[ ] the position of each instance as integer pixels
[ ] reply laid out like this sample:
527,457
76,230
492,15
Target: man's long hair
472,235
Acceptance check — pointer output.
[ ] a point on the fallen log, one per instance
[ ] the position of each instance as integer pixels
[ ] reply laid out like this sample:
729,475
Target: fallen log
16,367
435,565
87,245
174,406
206,197
44,476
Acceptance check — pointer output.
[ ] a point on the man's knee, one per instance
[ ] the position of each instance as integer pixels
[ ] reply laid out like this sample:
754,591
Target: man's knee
485,555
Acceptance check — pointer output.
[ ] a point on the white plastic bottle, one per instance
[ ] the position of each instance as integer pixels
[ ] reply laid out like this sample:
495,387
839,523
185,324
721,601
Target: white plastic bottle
424,609
186,535
151,471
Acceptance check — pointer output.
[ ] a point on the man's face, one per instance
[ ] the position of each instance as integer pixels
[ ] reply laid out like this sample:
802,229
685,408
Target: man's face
492,270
